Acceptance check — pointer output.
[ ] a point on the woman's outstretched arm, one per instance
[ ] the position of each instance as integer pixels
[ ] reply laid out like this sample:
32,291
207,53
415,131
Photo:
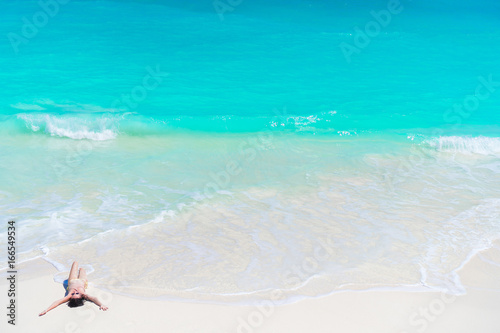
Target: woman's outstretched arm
55,304
97,302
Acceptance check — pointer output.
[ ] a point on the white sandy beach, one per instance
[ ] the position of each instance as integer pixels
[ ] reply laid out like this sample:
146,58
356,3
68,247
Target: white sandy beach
369,311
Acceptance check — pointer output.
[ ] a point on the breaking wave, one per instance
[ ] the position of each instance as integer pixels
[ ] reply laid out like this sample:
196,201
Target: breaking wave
467,145
98,129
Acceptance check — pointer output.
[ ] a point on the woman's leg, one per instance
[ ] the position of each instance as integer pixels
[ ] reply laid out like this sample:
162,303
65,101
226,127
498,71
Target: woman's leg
82,275
73,273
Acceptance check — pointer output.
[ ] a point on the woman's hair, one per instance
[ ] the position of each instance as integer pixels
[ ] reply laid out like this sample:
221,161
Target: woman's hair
76,302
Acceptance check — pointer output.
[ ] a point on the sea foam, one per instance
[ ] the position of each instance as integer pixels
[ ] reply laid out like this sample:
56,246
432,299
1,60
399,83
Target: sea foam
98,129
467,145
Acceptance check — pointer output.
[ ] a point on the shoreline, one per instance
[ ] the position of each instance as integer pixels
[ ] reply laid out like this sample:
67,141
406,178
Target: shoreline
51,267
347,311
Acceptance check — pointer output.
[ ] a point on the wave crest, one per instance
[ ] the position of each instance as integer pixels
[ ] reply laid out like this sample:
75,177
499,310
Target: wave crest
97,129
480,145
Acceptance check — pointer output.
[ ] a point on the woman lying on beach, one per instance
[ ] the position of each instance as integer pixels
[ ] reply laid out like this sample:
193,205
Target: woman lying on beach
75,292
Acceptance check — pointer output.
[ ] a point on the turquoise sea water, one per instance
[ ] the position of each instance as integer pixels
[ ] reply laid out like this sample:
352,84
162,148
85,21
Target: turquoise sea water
184,150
